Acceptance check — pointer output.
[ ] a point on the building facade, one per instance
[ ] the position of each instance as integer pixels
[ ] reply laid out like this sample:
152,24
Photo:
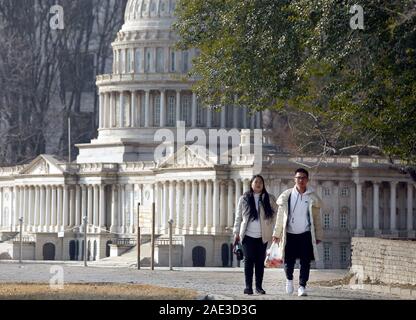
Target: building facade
143,154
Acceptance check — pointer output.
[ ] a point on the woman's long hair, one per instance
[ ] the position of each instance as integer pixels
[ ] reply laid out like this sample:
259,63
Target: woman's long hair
249,195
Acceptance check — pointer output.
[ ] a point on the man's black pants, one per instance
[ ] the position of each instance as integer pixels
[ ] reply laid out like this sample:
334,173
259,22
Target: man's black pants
254,255
298,246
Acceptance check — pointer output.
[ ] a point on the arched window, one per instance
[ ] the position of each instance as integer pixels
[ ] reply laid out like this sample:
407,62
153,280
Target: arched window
148,60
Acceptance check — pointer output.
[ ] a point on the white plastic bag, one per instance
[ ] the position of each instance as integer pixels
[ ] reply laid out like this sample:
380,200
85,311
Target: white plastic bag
274,256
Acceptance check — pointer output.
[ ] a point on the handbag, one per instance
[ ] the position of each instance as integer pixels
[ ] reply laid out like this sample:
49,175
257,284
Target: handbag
238,251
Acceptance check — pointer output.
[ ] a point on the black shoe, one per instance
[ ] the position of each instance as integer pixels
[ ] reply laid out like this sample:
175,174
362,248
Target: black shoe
260,291
248,291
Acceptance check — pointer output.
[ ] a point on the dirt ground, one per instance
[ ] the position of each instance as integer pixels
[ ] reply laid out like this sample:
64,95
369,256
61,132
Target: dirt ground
26,291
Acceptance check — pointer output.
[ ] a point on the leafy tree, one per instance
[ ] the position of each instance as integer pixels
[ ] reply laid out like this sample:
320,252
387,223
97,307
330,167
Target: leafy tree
343,90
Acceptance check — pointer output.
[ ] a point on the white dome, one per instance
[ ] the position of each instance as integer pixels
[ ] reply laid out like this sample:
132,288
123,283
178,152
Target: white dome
149,14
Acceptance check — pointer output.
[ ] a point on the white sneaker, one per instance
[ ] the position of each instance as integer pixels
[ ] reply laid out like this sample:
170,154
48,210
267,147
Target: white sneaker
302,292
289,286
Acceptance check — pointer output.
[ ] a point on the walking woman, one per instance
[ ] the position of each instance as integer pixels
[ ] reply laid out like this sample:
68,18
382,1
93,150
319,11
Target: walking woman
254,222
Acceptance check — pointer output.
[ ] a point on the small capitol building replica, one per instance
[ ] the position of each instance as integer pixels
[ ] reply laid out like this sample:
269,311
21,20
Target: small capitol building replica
145,103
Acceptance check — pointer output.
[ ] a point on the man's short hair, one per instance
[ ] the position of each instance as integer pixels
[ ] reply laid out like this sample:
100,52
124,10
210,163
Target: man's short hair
301,170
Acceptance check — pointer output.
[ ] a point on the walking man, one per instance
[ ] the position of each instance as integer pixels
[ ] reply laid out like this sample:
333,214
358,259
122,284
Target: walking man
298,226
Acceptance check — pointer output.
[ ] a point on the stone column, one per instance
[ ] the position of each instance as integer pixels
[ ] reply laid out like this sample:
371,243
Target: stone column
230,206
252,122
187,206
147,109
178,106
237,183
134,109
236,123
376,206
53,210
114,208
223,206
245,118
158,206
48,209
37,210
112,110
102,222
84,212
246,185
194,207
78,205
172,199
179,207
23,202
122,113
409,206
216,206
132,209
122,212
393,206
194,109
107,111
96,206
66,208
165,214
100,110
208,207
42,213
223,117
16,208
90,205
71,222
162,108
30,211
359,189
258,120
209,117
59,209
201,207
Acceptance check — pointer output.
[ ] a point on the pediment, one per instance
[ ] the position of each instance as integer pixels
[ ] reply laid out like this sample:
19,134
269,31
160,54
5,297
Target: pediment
43,165
186,157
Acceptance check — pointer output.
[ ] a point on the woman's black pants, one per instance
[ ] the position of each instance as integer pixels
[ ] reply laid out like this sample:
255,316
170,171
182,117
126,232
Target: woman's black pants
254,255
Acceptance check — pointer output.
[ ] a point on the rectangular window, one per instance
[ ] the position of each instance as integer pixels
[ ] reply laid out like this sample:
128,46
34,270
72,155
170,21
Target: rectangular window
172,61
199,113
327,252
159,60
129,61
185,61
327,221
123,61
345,192
344,221
171,111
117,110
137,61
344,253
186,109
156,111
148,60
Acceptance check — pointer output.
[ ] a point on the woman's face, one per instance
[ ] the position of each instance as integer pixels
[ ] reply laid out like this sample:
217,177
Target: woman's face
257,185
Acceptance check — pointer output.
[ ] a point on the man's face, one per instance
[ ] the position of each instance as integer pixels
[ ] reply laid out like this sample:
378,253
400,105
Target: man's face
301,180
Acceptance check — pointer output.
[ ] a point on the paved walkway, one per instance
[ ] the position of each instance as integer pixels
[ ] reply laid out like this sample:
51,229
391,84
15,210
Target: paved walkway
221,283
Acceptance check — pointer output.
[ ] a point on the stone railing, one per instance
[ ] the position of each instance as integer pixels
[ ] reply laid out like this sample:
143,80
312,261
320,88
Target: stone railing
11,171
383,261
